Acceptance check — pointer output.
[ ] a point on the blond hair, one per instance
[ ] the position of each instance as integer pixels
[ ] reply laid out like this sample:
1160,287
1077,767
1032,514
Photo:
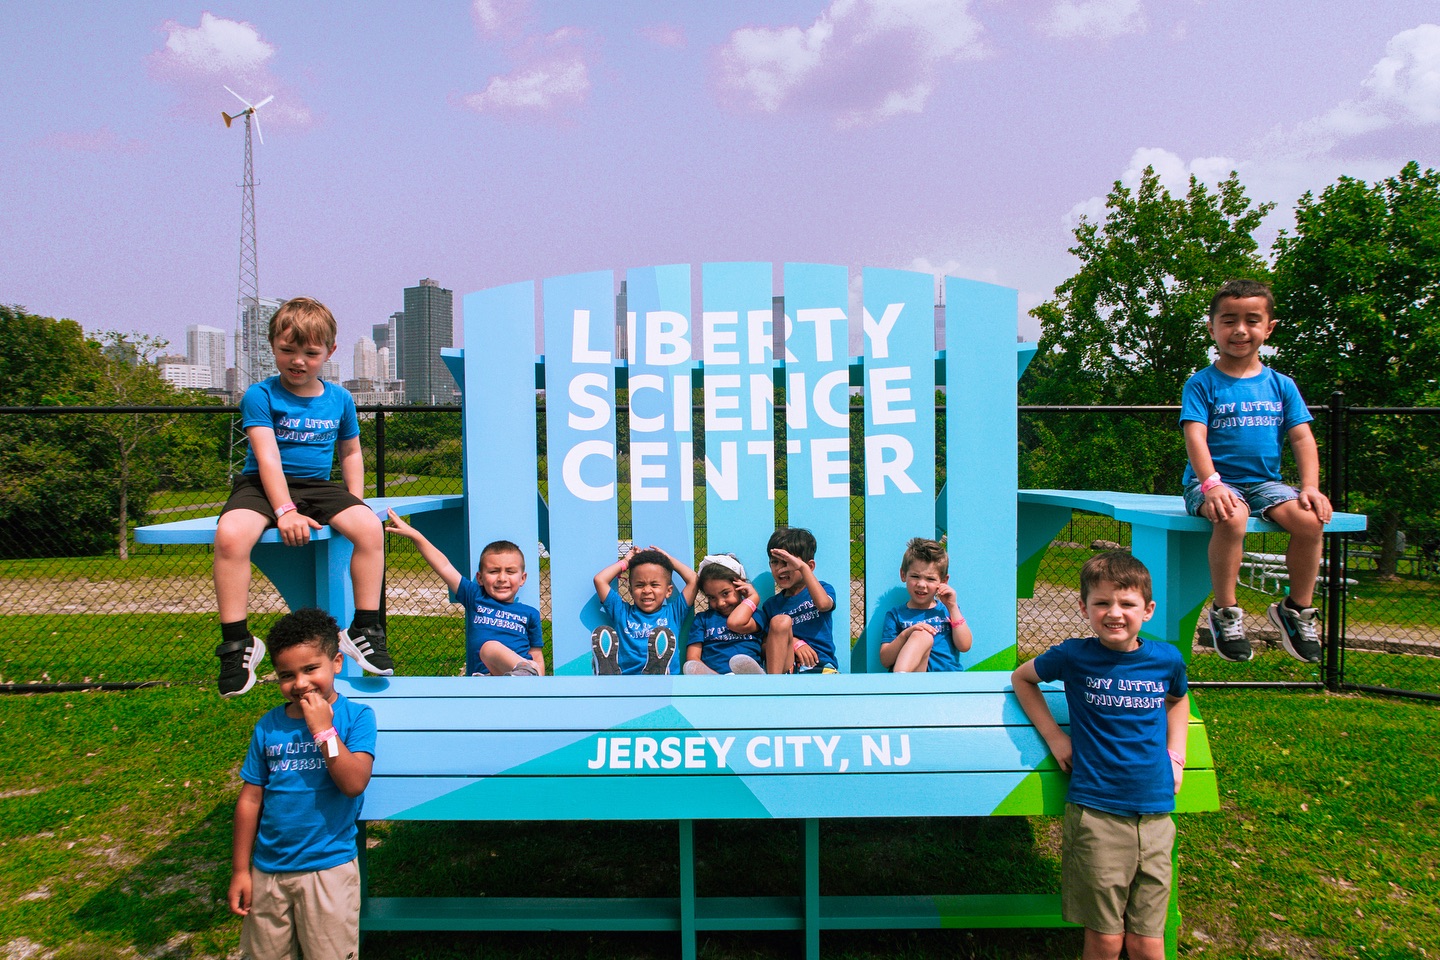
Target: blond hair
307,321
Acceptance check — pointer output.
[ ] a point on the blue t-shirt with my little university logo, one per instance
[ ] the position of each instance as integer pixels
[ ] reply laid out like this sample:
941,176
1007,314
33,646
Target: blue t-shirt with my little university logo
810,623
634,626
306,428
306,822
944,658
718,643
515,625
1246,420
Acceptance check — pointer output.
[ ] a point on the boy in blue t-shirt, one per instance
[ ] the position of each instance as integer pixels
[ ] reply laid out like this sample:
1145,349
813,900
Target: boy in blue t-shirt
796,621
927,633
714,647
294,423
294,873
649,625
1236,415
1125,753
502,637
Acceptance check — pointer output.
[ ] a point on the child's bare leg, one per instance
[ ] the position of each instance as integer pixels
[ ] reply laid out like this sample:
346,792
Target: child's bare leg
363,529
1302,559
914,656
236,534
1144,948
1103,946
780,645
1227,550
499,658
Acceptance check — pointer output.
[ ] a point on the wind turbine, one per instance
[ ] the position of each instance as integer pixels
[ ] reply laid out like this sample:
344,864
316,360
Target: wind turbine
247,345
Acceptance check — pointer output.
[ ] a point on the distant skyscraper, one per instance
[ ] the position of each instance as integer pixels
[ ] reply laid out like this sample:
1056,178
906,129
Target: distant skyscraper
367,366
254,360
330,370
387,336
428,327
187,376
205,347
384,365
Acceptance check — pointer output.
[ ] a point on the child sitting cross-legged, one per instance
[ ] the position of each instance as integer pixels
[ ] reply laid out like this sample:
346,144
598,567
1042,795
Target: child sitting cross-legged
715,647
928,632
502,637
644,634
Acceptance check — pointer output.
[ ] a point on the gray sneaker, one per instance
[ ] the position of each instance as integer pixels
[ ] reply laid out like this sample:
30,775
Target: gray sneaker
1297,631
525,668
743,663
1227,634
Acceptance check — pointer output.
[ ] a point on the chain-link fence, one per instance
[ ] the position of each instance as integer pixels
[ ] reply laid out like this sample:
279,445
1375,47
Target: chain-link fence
83,609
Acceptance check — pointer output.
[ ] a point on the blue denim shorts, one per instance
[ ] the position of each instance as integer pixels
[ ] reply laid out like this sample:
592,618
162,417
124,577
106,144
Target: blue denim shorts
1260,497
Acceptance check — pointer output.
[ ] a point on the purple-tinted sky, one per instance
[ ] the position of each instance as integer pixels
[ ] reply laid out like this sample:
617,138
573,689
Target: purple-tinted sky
485,142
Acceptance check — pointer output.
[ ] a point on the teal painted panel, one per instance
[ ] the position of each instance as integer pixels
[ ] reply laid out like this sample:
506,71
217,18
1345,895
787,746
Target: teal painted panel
790,796
900,483
981,457
738,319
579,315
499,417
817,455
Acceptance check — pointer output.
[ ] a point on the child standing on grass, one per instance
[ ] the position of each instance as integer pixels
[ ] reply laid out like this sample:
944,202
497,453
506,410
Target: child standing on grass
928,632
502,637
796,621
294,423
1129,714
714,647
295,877
1236,414
644,636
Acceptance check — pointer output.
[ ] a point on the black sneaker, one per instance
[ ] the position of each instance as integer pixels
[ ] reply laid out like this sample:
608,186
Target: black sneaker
1297,631
605,646
238,660
1227,634
366,646
658,660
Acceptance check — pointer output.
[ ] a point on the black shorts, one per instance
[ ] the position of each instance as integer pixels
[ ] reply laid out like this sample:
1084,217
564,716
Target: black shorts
318,499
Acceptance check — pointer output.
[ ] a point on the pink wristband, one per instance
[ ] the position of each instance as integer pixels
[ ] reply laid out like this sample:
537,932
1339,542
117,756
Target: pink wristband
283,509
800,643
957,621
750,602
331,738
1211,482
1176,756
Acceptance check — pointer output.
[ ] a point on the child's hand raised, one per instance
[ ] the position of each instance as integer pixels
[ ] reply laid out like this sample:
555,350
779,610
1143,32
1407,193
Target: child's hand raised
395,525
319,715
945,594
787,557
744,589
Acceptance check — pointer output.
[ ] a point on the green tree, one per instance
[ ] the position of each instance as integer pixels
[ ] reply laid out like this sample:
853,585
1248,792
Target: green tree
50,504
1128,329
1358,290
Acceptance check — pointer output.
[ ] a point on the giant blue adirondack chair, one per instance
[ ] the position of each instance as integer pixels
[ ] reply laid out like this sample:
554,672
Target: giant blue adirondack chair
862,744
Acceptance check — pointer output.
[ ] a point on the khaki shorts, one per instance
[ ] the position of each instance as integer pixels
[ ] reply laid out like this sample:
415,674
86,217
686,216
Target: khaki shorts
314,912
1115,872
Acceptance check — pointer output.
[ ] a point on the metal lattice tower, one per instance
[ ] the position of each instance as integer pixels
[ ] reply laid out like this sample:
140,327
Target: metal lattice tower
248,297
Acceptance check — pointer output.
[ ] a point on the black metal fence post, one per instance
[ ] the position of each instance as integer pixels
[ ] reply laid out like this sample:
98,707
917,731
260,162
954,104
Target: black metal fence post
1335,567
380,452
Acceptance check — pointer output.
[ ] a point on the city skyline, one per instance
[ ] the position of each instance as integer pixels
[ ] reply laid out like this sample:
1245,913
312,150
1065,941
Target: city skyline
539,139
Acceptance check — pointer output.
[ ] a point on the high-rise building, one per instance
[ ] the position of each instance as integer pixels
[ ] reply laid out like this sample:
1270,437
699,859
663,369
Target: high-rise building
427,328
254,360
366,365
387,337
187,376
384,365
205,347
330,370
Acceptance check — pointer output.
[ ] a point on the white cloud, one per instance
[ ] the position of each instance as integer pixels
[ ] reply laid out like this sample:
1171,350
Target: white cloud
199,61
493,16
860,60
1402,89
216,46
1093,19
1174,174
538,87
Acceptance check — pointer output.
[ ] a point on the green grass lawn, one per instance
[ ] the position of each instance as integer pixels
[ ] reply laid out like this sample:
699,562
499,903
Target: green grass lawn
115,813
